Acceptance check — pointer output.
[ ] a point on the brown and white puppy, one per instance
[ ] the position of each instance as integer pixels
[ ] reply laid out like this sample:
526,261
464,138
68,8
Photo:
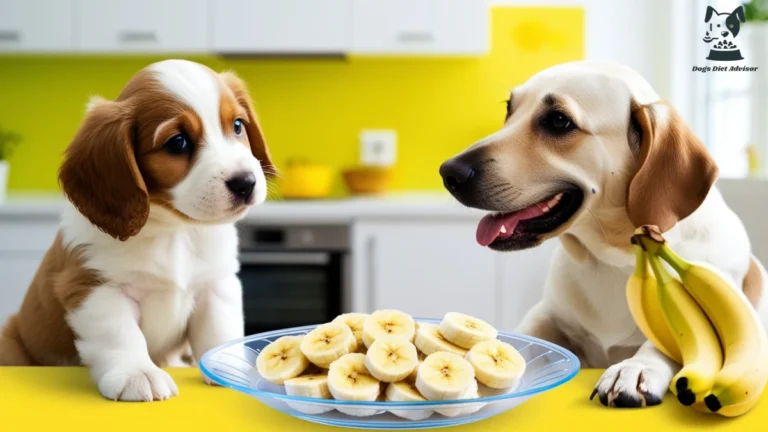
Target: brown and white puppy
146,256
587,153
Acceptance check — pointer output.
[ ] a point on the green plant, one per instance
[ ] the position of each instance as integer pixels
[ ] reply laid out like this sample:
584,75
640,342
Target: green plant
8,140
756,10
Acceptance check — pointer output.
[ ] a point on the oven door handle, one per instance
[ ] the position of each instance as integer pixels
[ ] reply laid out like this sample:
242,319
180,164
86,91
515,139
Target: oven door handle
285,258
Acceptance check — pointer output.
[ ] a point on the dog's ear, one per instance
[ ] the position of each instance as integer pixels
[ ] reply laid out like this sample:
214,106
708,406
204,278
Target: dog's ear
100,175
739,14
710,11
674,170
732,21
255,136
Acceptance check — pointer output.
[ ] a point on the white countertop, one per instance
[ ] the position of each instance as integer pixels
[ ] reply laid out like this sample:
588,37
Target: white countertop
412,205
749,198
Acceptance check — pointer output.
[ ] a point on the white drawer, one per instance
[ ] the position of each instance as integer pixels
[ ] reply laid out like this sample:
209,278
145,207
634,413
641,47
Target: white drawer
143,26
36,26
19,237
281,26
420,27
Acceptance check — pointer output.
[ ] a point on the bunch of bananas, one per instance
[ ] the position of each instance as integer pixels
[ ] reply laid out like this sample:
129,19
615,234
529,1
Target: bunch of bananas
357,355
702,322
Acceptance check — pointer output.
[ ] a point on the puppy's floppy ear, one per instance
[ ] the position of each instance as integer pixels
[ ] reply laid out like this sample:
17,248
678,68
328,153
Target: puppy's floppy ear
674,169
732,21
255,136
99,174
710,11
739,14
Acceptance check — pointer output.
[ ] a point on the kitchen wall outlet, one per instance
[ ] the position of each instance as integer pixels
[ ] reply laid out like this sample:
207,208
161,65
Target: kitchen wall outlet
378,147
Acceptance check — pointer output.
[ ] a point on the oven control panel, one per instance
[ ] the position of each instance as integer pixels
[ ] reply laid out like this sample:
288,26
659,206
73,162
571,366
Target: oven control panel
265,237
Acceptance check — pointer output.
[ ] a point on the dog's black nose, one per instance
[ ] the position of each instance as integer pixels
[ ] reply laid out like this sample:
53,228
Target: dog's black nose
724,33
242,185
456,174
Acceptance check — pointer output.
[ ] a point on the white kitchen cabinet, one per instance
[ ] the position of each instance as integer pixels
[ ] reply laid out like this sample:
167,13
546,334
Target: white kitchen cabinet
36,26
423,27
125,26
16,273
25,237
285,26
23,244
426,268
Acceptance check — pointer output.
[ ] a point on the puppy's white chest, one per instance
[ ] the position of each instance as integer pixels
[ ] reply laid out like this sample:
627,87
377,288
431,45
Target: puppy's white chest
163,272
177,262
185,260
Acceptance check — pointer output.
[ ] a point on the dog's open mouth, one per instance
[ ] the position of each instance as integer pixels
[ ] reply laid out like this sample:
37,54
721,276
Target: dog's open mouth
522,227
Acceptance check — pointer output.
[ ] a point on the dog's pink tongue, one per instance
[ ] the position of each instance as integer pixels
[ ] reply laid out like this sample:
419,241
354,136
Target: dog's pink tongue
489,228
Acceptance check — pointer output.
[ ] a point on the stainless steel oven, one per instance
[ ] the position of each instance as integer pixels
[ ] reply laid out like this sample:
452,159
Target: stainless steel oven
293,275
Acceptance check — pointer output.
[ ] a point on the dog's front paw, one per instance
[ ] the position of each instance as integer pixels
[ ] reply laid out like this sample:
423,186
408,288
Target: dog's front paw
632,383
139,384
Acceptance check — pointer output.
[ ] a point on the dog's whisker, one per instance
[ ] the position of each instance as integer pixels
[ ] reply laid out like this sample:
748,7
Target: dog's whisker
598,223
273,173
526,195
500,190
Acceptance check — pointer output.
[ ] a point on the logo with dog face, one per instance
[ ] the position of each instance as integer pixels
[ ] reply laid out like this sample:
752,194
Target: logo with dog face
721,30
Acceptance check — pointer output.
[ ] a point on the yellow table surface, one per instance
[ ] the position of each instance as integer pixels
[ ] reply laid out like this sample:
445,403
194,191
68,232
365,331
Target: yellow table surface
56,399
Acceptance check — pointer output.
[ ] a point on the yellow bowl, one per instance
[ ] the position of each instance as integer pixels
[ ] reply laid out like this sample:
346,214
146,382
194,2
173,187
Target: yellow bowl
368,180
306,181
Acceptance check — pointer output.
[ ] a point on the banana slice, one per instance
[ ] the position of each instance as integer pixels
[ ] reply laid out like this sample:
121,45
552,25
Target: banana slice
497,364
388,322
471,393
326,343
349,379
313,386
466,331
444,376
391,359
429,340
406,392
282,360
355,322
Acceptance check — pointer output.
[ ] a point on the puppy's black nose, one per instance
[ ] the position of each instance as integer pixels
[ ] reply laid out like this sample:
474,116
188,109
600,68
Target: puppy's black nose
242,185
456,174
724,33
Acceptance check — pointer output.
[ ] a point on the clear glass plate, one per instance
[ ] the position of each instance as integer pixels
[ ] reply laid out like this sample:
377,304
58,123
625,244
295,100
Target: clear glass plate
233,365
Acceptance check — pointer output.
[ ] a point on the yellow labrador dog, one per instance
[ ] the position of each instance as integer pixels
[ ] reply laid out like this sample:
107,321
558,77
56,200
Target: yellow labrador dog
587,153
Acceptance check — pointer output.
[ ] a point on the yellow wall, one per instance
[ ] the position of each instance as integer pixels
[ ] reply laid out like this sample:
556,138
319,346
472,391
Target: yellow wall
312,108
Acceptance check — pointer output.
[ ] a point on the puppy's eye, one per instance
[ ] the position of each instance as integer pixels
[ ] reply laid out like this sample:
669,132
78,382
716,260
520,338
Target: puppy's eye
178,144
238,127
556,122
509,108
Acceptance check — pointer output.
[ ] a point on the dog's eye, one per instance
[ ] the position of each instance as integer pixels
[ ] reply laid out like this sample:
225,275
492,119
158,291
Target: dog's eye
238,127
509,108
556,122
178,144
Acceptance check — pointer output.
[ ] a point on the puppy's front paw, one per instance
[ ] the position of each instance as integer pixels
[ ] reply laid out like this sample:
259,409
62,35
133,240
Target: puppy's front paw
139,384
632,383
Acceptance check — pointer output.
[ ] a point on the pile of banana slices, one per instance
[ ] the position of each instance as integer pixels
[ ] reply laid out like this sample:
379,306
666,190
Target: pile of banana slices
387,356
697,318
